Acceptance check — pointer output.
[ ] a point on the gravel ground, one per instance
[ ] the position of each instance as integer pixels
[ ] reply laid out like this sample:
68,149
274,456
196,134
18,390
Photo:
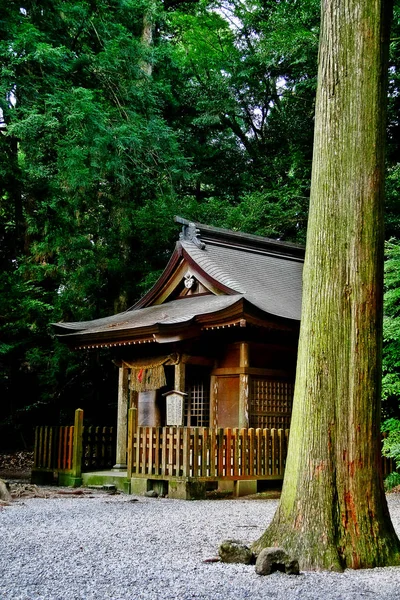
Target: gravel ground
117,547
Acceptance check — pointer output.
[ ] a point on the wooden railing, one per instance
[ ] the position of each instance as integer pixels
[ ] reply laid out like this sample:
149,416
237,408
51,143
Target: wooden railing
54,448
74,448
198,452
206,453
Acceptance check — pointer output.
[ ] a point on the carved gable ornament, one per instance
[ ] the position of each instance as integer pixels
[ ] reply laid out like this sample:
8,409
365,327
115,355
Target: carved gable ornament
190,233
189,281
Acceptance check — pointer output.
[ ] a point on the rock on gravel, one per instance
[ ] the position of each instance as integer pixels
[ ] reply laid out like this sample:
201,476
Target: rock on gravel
234,551
106,547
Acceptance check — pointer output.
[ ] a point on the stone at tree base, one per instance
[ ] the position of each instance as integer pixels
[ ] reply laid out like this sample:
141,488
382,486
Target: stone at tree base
233,551
4,492
276,559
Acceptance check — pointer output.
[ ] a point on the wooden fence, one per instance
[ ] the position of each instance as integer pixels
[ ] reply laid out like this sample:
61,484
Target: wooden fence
54,448
205,452
198,452
74,448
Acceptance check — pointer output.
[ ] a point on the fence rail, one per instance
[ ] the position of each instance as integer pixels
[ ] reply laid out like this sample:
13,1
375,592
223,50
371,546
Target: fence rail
74,448
208,453
198,452
54,448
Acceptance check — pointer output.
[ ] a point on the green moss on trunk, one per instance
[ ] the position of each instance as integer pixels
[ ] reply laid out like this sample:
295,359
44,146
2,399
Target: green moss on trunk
333,512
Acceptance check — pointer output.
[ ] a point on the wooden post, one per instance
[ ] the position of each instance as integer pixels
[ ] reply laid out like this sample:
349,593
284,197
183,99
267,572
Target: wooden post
122,420
36,462
157,465
131,436
214,401
244,386
76,479
220,458
186,452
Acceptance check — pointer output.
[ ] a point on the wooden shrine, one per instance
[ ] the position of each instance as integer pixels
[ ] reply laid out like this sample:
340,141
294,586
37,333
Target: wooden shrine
206,364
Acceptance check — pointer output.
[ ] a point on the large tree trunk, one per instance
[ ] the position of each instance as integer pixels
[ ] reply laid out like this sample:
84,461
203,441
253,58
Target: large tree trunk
333,512
147,37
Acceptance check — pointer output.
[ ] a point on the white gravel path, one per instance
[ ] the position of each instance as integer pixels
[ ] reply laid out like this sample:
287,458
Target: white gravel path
114,548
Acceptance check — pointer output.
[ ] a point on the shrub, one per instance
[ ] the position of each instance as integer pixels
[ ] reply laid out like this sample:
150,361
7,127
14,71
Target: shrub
391,481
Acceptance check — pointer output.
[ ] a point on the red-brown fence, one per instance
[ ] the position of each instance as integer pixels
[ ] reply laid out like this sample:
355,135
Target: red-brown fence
54,448
74,448
166,451
208,453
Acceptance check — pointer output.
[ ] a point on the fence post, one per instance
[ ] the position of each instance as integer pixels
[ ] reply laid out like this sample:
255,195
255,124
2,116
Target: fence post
131,436
76,474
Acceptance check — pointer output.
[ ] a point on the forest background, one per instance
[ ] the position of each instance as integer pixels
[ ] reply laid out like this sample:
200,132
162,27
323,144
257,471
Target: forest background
117,115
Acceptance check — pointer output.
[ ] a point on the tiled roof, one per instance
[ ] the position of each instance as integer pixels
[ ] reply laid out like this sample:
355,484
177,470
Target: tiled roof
266,273
176,311
270,282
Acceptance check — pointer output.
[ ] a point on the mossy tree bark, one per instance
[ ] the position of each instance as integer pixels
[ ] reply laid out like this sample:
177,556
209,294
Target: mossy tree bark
333,512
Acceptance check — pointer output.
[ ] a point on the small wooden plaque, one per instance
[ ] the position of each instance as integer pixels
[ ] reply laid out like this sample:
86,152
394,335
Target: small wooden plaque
175,408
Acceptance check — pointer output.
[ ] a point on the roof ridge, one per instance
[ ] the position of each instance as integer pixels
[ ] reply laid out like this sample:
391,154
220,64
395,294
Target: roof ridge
249,241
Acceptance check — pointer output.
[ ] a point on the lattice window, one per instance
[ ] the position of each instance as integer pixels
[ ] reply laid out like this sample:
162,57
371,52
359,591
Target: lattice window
270,403
197,402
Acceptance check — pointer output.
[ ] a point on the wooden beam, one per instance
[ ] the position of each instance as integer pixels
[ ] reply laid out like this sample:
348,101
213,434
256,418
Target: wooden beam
122,419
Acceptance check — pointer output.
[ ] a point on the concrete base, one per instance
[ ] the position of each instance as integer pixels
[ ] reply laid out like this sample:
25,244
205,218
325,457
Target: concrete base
139,486
181,489
226,486
61,478
41,477
67,480
245,487
99,478
186,489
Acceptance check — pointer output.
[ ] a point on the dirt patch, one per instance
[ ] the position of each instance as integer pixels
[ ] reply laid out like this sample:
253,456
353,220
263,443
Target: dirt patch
15,471
16,465
20,491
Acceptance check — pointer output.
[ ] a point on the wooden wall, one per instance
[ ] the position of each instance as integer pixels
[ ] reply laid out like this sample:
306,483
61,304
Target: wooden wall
253,386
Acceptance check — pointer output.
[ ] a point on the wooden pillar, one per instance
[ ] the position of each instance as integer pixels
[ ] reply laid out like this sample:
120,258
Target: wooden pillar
132,428
214,401
76,474
244,386
122,420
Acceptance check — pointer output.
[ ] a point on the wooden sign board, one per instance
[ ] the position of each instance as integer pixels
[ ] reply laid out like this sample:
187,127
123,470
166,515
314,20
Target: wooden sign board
174,409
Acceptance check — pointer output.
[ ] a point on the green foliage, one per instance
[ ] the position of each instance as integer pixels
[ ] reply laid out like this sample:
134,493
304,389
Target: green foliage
104,137
391,331
392,481
391,356
85,151
392,217
391,446
246,103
